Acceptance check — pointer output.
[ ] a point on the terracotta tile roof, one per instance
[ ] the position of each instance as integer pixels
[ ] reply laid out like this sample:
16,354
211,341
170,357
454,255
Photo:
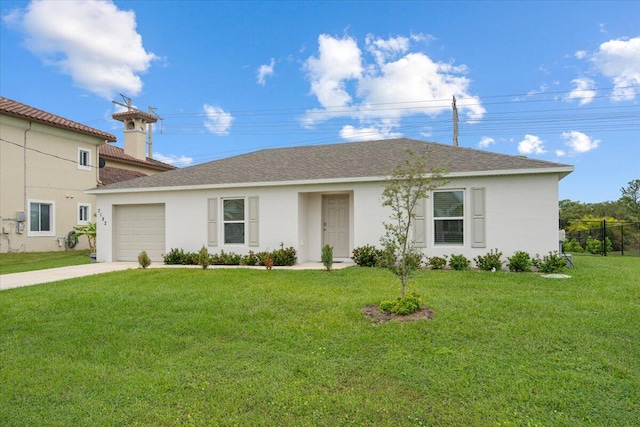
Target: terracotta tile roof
356,160
112,152
110,175
149,118
17,109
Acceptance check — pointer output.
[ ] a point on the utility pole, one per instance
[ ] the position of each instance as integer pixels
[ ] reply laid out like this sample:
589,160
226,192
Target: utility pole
455,122
127,100
152,110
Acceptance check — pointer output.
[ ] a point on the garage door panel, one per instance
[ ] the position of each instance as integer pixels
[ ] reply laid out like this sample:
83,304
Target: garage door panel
138,228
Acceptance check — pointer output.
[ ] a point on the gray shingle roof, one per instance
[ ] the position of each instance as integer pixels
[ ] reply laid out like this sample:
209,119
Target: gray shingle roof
335,161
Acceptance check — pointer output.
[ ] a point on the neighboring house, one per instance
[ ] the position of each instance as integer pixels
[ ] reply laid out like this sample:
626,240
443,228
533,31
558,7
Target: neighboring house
120,166
306,197
132,161
46,164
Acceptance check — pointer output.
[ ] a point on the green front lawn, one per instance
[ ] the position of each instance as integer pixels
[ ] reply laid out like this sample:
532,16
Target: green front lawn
30,261
183,347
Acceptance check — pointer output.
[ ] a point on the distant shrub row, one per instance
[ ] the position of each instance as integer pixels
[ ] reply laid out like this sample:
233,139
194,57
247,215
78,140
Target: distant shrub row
280,257
370,256
593,246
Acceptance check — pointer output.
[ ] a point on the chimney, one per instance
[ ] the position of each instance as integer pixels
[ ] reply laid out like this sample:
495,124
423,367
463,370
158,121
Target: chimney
135,131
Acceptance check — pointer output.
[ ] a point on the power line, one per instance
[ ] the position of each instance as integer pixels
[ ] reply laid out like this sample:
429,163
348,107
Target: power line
46,154
393,106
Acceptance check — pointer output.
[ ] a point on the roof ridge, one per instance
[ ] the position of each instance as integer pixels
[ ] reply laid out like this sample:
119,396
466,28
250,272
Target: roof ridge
21,110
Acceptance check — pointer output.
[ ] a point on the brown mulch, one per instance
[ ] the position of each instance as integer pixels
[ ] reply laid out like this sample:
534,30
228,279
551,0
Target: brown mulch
378,316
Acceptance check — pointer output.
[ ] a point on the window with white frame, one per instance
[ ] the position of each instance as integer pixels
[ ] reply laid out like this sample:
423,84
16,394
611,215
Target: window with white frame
41,218
84,159
448,217
233,215
84,213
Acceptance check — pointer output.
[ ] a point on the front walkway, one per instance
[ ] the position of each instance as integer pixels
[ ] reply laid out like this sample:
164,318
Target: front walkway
28,278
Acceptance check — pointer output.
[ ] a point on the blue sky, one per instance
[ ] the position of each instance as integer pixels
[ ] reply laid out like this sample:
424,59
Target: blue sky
557,81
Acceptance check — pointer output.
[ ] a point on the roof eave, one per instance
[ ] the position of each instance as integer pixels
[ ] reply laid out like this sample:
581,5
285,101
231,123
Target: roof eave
138,163
562,171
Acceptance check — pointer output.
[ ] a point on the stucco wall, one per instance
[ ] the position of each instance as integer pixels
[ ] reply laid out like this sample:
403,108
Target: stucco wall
521,214
47,170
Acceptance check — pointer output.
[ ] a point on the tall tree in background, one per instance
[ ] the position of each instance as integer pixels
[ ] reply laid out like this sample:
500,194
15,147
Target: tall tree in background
403,192
631,198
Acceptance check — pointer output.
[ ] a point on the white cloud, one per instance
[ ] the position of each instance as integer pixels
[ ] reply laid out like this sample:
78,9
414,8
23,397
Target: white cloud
178,161
395,83
543,89
531,144
382,49
92,41
583,91
351,133
560,153
580,54
339,60
580,142
420,37
619,60
264,71
218,121
486,141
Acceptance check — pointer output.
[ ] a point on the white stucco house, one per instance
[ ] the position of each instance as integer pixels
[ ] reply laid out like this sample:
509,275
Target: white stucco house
309,196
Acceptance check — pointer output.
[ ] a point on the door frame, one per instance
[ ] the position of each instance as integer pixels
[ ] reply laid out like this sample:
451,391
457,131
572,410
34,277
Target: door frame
347,196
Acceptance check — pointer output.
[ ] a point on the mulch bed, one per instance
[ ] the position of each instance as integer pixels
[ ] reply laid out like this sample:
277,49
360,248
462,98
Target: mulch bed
378,316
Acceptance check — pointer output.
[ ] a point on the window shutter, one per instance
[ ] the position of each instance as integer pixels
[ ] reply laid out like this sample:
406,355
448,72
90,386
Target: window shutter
420,225
212,232
478,238
253,221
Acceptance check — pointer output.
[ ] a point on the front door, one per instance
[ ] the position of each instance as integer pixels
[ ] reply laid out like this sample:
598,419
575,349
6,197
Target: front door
335,223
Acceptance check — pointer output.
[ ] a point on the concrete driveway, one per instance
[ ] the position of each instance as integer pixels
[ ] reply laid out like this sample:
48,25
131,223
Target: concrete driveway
28,278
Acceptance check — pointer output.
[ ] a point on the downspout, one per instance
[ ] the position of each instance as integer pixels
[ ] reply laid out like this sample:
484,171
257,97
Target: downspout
24,179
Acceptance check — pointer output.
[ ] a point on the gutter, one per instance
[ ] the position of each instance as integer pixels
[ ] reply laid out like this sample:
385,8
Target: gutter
562,171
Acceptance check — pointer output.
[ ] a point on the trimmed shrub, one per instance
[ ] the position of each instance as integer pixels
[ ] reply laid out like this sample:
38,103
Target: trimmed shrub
459,262
174,257
410,304
268,261
552,263
489,261
366,256
280,257
203,258
250,259
225,258
284,256
327,257
143,259
436,262
594,246
572,246
520,262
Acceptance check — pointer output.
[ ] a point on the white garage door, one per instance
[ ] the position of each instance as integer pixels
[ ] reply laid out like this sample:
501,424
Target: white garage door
138,228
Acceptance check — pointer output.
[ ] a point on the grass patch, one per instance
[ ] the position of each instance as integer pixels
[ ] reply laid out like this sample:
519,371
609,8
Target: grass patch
30,261
168,347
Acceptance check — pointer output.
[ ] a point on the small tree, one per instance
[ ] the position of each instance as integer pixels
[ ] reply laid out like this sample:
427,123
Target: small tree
631,199
327,257
203,258
403,192
90,231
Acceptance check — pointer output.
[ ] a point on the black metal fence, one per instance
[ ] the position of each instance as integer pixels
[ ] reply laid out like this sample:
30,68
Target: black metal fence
602,237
